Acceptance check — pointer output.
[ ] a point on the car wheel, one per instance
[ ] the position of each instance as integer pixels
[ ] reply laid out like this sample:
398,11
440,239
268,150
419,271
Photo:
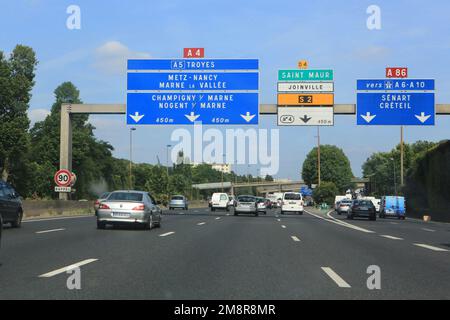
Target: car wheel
282,212
300,213
18,222
101,225
235,213
149,224
256,214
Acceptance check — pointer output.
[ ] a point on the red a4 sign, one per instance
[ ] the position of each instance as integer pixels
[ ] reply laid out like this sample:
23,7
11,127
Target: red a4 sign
193,52
396,72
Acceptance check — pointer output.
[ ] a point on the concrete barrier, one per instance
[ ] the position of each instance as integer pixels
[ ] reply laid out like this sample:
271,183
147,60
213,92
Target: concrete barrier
51,208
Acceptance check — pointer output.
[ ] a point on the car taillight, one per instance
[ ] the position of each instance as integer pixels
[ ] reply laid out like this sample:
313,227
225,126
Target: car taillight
140,207
103,206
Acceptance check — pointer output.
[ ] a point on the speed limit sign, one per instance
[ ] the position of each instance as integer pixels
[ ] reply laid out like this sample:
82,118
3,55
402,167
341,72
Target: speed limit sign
63,178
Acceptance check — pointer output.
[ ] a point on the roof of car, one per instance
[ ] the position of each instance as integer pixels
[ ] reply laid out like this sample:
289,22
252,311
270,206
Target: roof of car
130,191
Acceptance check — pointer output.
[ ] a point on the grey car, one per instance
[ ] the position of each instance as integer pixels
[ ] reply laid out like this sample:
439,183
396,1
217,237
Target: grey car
129,207
178,202
246,204
11,208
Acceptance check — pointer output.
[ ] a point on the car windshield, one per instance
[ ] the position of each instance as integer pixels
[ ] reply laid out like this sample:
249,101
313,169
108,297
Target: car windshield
347,203
177,198
125,196
292,196
246,199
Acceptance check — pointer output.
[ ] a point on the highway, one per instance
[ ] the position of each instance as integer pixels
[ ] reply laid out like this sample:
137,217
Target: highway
202,255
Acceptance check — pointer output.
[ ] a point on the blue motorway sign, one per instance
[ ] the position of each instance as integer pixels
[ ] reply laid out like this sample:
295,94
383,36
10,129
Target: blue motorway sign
193,81
184,91
193,64
187,108
396,85
395,108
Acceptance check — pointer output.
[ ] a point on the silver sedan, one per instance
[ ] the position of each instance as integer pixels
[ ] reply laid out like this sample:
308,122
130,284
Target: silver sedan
129,207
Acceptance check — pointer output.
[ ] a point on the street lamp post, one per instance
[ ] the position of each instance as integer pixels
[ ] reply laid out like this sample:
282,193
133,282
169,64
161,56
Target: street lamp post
395,177
131,158
167,168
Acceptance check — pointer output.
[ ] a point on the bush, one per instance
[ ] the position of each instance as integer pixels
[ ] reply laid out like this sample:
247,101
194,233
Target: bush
325,193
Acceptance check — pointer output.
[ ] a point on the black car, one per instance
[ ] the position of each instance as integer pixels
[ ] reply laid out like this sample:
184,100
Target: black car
362,208
10,205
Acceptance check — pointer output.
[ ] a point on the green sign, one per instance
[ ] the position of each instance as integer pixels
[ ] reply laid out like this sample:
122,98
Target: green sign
299,75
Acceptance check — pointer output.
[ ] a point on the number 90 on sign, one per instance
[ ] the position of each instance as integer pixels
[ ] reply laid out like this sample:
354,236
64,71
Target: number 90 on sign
63,178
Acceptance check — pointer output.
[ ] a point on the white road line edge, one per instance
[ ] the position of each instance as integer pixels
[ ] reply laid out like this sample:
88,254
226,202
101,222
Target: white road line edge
426,246
167,234
429,230
48,231
335,277
60,218
283,226
201,223
295,239
65,269
218,218
338,222
390,237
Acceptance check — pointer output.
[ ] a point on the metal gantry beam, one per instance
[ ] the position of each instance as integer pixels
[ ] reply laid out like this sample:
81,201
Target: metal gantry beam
67,110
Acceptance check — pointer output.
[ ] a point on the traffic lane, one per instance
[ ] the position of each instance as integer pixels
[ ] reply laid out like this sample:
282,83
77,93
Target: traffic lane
437,234
243,257
408,272
24,258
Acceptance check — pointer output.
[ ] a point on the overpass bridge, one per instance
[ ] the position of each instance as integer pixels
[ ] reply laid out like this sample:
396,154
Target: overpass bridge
266,186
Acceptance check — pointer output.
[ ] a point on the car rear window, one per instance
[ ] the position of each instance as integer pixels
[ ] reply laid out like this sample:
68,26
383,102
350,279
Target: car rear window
125,196
365,203
292,196
246,199
105,195
177,198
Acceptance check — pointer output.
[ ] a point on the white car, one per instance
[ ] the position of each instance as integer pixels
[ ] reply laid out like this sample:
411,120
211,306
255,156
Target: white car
292,202
219,201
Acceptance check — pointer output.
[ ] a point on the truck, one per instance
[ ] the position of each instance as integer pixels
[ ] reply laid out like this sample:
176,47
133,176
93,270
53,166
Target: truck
392,206
338,199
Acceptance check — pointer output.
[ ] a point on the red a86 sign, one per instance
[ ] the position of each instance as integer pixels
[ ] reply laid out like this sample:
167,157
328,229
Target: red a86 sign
396,72
63,178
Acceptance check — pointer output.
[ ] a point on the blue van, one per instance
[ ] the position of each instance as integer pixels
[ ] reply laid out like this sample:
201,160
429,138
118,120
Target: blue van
392,206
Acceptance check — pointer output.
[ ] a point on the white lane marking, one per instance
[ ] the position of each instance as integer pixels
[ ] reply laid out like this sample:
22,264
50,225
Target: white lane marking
48,231
279,220
393,223
65,269
201,223
228,214
338,222
218,218
60,218
390,237
167,234
295,239
429,230
426,246
335,277
196,211
283,226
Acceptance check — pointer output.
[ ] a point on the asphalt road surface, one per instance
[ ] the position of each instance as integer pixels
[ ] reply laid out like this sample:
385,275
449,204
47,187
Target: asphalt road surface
202,255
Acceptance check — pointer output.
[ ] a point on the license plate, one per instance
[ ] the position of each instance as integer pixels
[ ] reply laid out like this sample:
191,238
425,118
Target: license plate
121,215
292,203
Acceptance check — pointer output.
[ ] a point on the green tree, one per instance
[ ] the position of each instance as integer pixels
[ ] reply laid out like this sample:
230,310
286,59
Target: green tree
325,193
334,167
16,82
91,159
383,168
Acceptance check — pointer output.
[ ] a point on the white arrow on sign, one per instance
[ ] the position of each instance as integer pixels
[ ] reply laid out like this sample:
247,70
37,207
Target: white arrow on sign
422,118
248,117
368,117
136,117
192,117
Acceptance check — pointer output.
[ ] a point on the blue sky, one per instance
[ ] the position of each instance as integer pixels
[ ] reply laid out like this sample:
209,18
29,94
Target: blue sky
329,34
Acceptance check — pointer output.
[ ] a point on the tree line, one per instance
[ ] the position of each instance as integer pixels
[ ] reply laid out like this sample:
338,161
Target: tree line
29,156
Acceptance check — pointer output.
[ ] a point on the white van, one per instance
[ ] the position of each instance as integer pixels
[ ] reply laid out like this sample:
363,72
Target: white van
292,202
219,201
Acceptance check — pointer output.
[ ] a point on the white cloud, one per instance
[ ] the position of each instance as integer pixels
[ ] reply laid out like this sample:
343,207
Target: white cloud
111,57
36,115
372,53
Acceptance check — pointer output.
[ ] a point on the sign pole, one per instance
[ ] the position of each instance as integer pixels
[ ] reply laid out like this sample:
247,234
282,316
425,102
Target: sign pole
318,155
401,156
